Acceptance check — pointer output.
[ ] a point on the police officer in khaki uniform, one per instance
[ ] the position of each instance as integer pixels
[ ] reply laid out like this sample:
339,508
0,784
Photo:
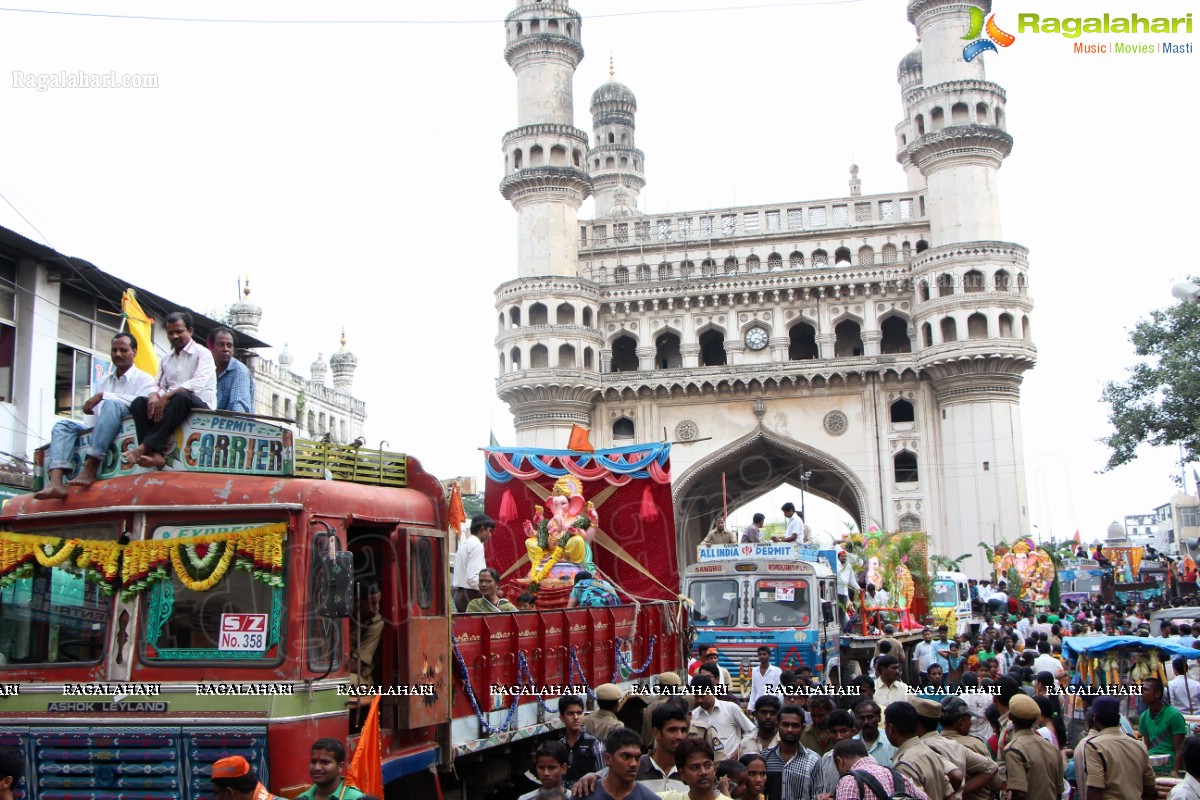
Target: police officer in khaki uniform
956,727
603,721
696,729
1118,766
914,758
978,771
1034,766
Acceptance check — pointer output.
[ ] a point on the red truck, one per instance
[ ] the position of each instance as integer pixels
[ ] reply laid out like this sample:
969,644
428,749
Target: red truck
156,622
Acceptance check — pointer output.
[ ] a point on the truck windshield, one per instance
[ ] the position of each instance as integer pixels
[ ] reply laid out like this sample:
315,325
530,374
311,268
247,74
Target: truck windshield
944,594
716,602
55,615
782,604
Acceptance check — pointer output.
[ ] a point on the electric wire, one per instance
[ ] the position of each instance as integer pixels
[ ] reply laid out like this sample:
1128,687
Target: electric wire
422,22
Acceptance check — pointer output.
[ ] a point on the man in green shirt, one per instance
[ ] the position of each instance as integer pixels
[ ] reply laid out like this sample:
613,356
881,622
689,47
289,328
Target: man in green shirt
326,766
1161,726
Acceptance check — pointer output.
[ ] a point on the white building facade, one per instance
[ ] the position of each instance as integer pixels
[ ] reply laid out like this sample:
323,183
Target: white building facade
57,319
876,341
316,407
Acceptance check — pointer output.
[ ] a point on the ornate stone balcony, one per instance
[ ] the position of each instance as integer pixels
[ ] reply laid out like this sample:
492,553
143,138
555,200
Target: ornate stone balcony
542,332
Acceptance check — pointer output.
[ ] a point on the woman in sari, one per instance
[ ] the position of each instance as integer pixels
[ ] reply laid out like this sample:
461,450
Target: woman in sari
492,601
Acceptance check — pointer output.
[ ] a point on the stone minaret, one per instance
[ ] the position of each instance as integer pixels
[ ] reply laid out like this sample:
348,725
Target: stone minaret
972,307
548,339
245,315
545,178
342,364
615,163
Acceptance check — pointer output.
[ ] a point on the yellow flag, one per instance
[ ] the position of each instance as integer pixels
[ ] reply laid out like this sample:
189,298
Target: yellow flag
142,329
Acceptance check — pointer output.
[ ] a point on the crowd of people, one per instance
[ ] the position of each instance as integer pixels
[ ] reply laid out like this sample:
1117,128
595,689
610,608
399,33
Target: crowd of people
983,715
191,376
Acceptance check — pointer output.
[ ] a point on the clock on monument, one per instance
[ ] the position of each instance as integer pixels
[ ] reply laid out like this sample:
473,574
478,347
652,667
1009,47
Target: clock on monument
756,338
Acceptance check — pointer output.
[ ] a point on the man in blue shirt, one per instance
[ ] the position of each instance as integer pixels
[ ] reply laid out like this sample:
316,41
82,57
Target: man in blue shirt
235,386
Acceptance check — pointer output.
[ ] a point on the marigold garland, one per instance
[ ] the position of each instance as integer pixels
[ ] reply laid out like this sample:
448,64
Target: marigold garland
138,565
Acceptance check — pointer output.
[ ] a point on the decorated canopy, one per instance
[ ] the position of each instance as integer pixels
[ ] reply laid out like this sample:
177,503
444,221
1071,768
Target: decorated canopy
1075,646
629,488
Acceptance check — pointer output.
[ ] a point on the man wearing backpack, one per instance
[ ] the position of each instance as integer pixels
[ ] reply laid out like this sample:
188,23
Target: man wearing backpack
865,779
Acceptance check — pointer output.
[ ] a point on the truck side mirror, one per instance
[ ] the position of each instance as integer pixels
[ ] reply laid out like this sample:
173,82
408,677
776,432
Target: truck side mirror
339,572
827,611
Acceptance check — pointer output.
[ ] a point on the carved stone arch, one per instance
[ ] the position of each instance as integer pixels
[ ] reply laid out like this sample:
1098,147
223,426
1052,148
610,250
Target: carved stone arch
711,326
754,322
668,328
847,314
622,331
755,464
796,320
894,312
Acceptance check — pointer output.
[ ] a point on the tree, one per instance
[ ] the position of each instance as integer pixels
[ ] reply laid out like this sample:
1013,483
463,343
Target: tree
472,504
1159,402
947,564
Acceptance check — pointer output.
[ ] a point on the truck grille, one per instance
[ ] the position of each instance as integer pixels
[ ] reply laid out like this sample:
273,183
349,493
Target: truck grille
121,763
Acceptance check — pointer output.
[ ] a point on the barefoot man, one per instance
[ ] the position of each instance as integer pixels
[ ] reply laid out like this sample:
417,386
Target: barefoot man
187,379
114,394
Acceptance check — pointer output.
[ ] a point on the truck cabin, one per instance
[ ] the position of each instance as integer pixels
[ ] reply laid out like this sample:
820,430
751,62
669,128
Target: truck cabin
194,580
950,603
750,595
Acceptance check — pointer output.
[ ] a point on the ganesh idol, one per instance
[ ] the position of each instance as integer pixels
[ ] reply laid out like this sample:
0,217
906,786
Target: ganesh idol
567,522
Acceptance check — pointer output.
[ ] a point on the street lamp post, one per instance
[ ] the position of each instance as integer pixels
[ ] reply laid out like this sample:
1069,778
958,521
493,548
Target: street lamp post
805,476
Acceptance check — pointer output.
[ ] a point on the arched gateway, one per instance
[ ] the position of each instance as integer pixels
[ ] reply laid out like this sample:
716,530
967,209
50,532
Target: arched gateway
752,466
883,345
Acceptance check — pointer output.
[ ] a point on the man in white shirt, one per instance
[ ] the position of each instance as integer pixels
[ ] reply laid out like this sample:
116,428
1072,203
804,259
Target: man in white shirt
1046,662
923,652
187,379
469,561
1189,789
114,393
888,686
794,523
1025,624
727,719
1184,690
764,675
846,581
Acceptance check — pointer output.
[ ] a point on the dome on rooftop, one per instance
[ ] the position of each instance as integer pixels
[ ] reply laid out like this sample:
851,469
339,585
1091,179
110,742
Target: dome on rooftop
911,62
614,92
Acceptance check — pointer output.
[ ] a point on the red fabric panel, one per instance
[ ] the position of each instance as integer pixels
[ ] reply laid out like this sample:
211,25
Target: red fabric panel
652,544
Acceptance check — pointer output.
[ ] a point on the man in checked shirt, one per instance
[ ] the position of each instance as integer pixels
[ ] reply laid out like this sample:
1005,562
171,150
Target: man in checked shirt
851,757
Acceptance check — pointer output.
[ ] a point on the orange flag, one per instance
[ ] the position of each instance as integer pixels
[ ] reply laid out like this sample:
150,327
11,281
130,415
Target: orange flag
579,440
457,515
365,772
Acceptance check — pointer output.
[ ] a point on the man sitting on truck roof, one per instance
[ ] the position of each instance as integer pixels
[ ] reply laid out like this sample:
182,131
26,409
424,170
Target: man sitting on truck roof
795,523
187,379
753,532
116,390
718,533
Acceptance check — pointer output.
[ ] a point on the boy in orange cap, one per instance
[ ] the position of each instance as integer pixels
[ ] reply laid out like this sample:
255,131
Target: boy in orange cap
235,775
